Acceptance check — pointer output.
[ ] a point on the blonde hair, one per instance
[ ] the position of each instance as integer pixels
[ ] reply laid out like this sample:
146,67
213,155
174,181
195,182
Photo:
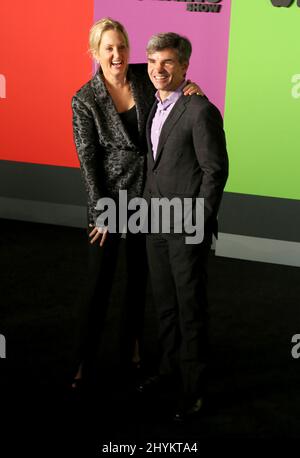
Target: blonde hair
99,28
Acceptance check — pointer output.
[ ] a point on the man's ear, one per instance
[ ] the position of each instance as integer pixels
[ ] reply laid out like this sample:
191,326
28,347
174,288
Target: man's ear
185,66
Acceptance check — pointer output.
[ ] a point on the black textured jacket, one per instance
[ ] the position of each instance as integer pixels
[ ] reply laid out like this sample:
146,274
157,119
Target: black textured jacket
108,158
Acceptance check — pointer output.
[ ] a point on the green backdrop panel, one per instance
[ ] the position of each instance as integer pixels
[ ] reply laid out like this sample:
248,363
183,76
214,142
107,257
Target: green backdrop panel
263,99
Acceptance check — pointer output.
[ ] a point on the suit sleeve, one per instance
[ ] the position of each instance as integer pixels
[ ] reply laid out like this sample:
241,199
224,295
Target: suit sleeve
88,150
210,146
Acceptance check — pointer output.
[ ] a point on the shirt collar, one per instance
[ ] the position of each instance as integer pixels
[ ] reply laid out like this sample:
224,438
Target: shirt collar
172,98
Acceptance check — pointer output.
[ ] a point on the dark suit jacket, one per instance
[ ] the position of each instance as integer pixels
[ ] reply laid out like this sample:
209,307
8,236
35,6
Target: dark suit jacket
108,158
191,159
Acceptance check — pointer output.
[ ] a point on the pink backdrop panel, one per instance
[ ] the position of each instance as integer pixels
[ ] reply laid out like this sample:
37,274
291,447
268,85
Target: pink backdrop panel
208,32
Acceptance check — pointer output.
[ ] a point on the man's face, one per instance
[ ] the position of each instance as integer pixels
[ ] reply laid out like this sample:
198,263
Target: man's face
165,70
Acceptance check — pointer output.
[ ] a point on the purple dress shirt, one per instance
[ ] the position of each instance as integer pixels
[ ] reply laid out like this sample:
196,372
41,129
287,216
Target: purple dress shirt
162,112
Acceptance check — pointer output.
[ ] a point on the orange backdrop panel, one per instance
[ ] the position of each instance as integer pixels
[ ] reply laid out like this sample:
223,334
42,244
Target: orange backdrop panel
44,59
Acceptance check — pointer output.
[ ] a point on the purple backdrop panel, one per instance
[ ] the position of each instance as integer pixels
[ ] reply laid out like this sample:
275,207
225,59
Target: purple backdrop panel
208,32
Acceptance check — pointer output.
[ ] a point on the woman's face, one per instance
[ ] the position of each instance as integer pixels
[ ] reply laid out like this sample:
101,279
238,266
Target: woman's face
113,54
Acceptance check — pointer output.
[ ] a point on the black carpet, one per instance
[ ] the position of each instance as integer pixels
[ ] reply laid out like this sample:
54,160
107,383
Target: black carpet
254,382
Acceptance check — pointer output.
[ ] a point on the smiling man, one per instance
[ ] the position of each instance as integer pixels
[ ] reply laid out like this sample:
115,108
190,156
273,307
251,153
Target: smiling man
187,158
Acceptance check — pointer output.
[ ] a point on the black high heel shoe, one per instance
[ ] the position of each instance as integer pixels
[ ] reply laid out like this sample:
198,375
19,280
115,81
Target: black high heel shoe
76,384
136,365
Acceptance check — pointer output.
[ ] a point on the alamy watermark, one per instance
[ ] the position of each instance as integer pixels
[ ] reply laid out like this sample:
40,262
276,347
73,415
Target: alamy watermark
296,348
2,346
178,215
2,87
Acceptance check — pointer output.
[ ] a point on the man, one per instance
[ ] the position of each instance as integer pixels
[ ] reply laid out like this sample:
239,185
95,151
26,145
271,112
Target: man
187,158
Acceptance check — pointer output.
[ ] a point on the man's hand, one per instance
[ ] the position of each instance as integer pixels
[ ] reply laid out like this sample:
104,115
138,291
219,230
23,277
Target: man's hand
98,233
192,88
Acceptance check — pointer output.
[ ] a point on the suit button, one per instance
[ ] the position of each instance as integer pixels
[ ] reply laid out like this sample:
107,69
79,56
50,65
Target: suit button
155,172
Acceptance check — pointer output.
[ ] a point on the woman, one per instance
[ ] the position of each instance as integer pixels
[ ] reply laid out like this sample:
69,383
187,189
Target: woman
109,118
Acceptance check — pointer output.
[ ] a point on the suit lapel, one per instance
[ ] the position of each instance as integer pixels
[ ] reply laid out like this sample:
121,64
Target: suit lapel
148,130
110,113
169,124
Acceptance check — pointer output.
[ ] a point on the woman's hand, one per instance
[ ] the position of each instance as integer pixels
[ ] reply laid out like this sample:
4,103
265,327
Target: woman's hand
98,233
192,88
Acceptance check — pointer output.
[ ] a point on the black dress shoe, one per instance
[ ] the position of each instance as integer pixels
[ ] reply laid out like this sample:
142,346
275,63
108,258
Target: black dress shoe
152,385
188,411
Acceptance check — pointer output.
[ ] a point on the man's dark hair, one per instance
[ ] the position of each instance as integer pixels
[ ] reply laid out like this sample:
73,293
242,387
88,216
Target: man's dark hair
171,40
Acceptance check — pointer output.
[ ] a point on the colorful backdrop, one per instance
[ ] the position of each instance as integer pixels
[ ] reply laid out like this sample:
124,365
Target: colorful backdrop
246,54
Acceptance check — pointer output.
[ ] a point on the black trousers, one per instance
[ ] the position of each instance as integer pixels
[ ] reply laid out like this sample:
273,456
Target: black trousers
178,274
101,269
